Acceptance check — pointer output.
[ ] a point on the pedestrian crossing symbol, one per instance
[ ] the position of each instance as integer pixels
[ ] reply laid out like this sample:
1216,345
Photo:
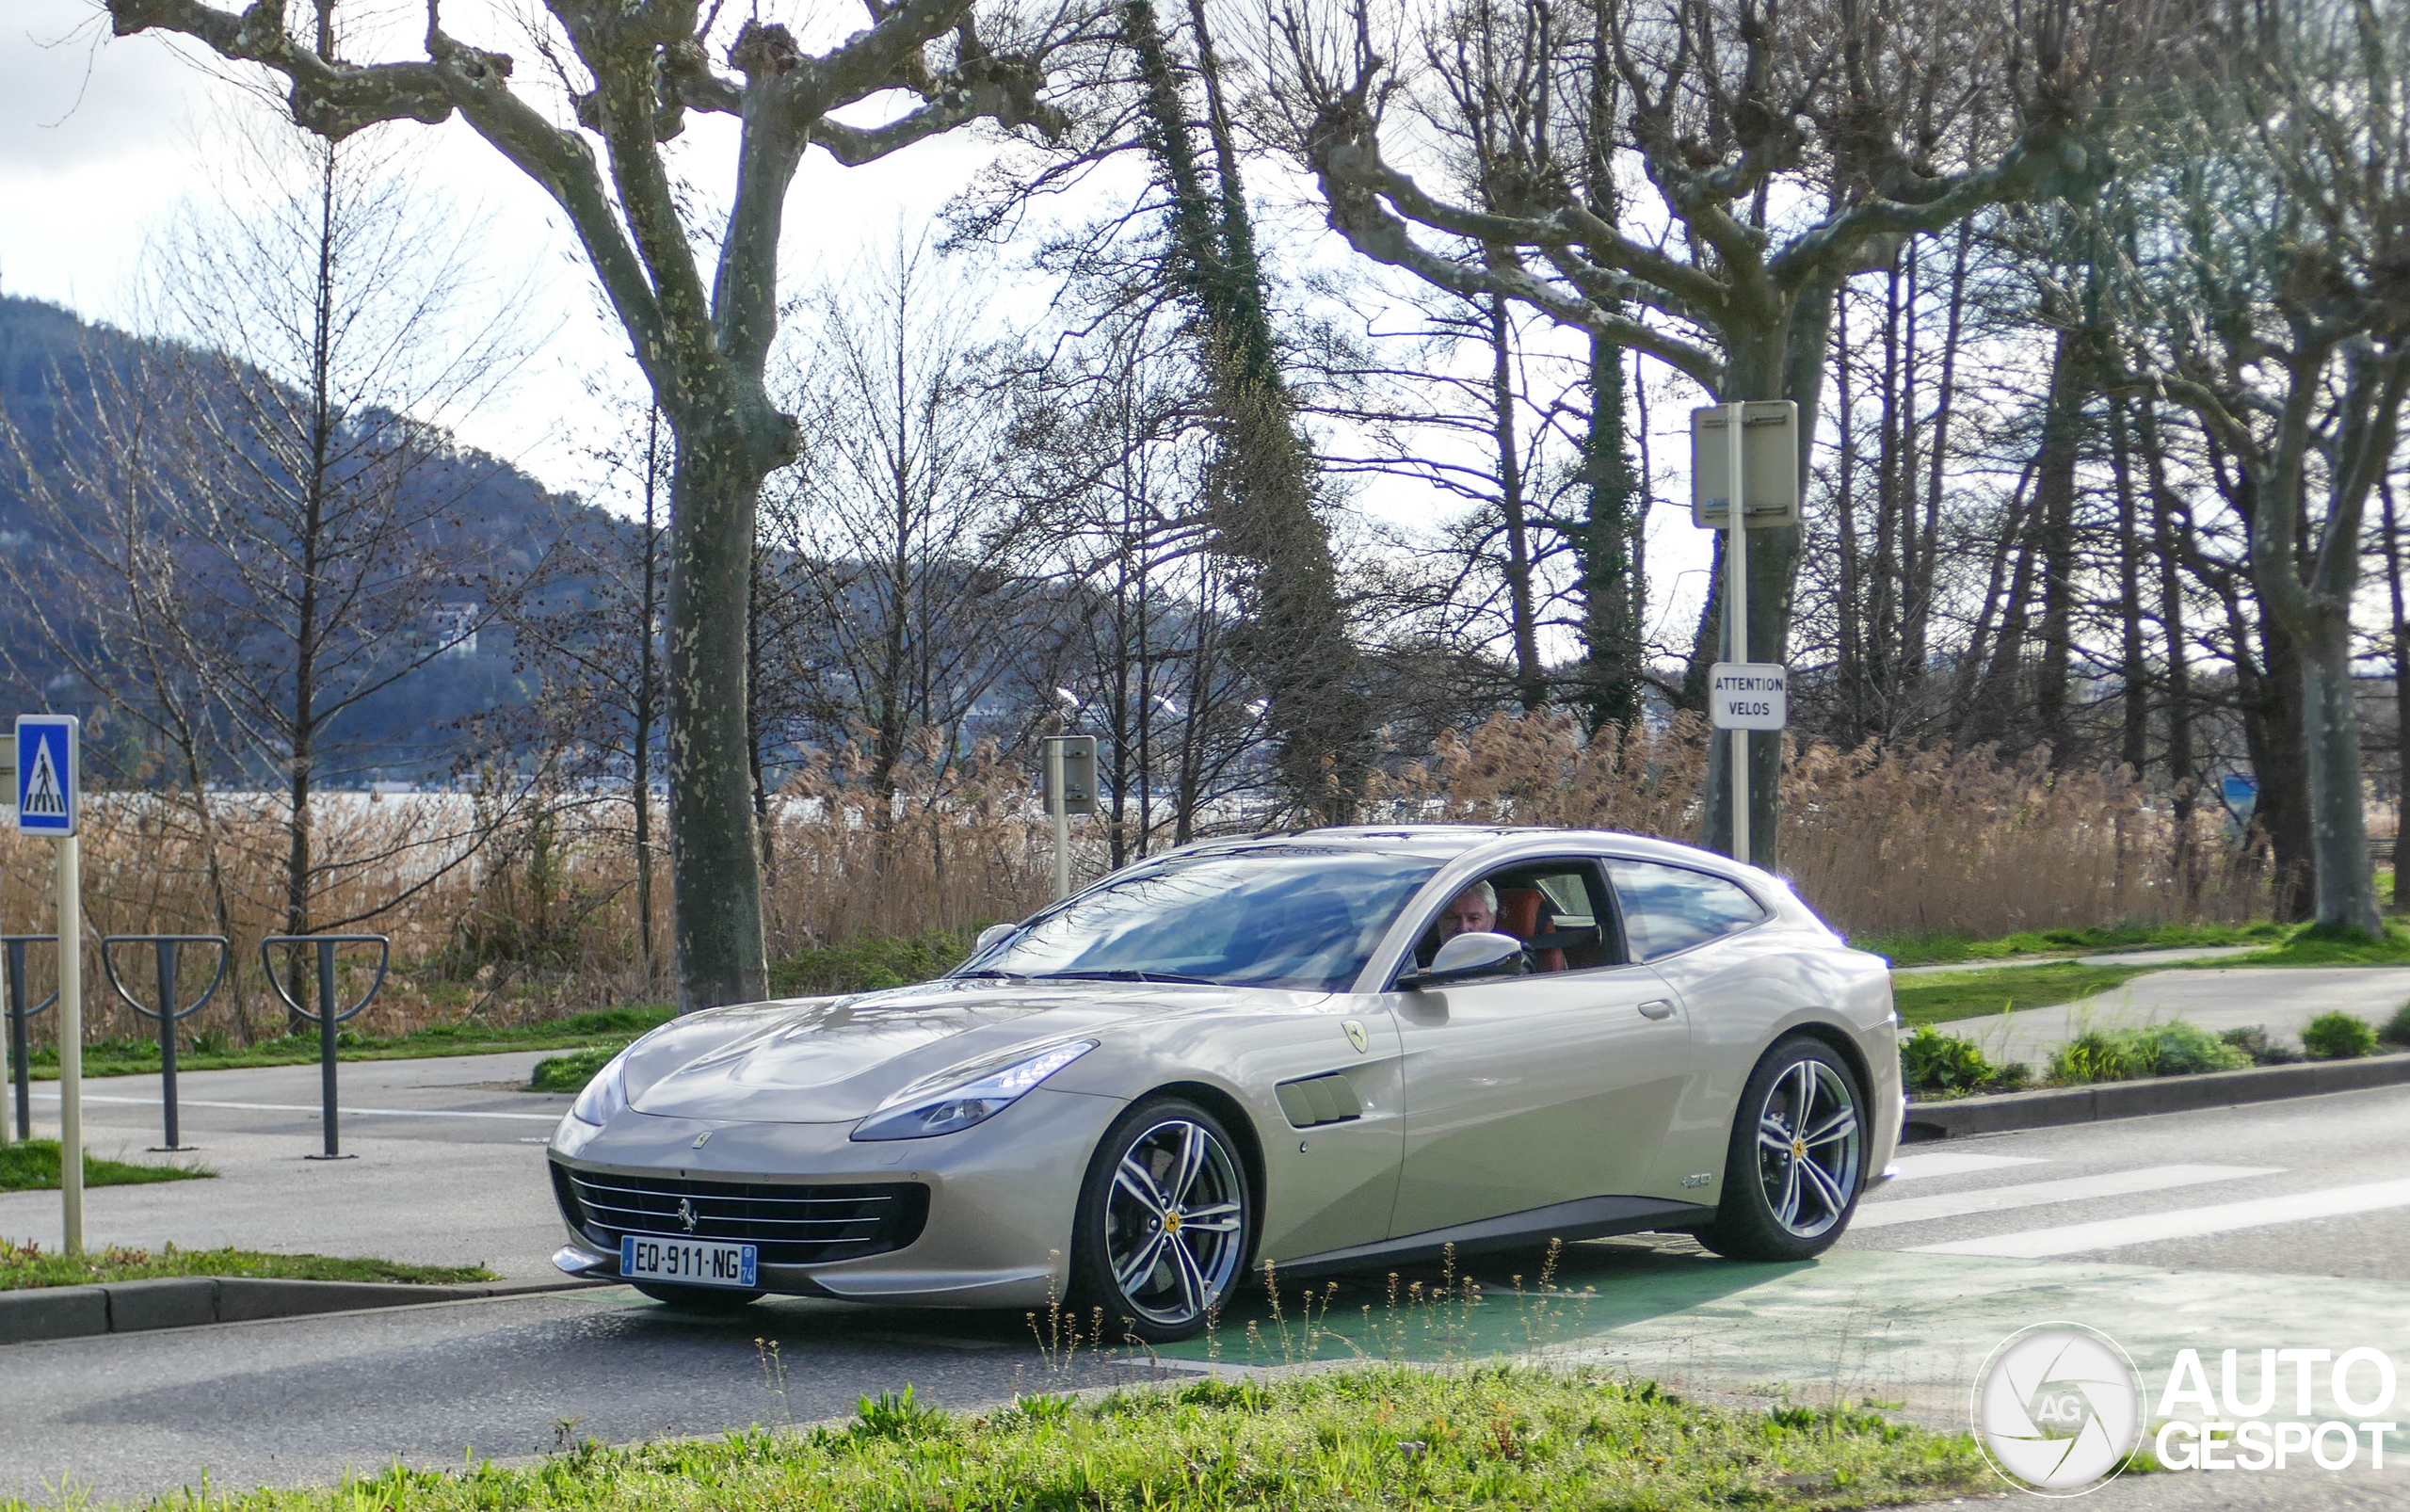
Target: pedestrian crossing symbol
46,774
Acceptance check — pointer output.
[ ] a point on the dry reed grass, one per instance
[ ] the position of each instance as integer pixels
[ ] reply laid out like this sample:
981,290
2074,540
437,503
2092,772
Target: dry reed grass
518,909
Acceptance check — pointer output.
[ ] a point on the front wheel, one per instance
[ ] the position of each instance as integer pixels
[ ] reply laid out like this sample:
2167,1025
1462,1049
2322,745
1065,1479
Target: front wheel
1165,1218
1797,1160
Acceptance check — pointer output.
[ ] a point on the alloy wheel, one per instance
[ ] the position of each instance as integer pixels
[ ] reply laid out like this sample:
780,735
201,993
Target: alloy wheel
1808,1148
1175,1222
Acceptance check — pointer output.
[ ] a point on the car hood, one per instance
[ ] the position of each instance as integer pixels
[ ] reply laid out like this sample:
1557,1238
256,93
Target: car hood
835,1059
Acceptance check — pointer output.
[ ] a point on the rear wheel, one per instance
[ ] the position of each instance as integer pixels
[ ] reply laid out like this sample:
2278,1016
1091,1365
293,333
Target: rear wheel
697,1299
1797,1160
1166,1219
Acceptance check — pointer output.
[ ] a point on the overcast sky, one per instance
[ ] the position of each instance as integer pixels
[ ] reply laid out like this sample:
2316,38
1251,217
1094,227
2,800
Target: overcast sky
100,137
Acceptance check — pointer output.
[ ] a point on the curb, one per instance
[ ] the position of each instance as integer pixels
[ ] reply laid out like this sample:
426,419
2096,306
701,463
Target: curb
40,1312
2006,1111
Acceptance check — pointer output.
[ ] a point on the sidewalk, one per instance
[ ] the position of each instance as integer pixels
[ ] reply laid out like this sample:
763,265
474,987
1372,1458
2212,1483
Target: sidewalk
2281,999
450,1166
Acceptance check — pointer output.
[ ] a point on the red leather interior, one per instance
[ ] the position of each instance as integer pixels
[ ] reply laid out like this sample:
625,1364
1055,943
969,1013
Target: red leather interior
1520,914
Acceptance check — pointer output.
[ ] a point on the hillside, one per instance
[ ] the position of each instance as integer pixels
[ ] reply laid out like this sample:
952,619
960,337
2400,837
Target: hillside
52,362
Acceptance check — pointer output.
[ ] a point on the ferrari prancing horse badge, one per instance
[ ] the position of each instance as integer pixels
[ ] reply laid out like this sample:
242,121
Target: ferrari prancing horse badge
1355,1034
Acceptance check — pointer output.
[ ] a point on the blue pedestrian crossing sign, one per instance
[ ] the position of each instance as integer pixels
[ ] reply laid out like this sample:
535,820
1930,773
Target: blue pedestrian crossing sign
46,775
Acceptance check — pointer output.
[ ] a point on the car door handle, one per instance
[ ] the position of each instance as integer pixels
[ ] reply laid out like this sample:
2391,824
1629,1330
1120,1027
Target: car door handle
1657,1008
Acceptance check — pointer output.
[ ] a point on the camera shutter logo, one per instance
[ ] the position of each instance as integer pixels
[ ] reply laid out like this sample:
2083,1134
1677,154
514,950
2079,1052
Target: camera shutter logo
2058,1409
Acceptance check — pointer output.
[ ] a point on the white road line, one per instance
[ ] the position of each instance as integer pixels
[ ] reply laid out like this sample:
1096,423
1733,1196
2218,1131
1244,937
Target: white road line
2185,1223
1879,1213
1915,1168
313,1108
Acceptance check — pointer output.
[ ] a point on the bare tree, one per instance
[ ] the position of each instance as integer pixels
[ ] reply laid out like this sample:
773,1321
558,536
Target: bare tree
1870,124
629,73
2283,323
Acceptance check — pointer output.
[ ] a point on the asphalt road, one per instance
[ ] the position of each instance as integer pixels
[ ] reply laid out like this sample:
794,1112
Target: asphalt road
2280,1225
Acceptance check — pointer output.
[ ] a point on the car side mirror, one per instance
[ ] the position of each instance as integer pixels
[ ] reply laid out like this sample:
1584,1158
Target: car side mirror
995,934
1469,955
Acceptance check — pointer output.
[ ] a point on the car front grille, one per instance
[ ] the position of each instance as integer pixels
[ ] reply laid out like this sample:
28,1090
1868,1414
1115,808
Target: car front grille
792,1223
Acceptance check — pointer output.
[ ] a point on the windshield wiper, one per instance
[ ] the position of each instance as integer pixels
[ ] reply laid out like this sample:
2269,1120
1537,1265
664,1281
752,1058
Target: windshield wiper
990,970
1124,974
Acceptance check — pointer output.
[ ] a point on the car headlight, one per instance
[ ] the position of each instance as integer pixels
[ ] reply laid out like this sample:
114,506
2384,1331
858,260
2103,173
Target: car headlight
606,1096
971,1097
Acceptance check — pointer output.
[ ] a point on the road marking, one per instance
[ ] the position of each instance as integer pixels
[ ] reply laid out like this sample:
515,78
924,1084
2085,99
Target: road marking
313,1108
1877,1212
1915,1168
2185,1223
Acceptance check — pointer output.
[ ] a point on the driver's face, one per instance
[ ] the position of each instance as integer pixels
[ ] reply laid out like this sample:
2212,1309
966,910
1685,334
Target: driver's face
1465,916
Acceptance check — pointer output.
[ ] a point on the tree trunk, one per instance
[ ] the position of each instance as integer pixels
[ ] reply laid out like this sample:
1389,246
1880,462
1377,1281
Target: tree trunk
2346,892
648,605
2054,494
2398,643
1531,677
2134,748
715,864
1612,590
2275,738
2169,529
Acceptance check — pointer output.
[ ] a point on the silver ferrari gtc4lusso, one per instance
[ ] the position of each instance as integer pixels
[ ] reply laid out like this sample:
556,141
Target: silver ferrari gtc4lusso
1334,1050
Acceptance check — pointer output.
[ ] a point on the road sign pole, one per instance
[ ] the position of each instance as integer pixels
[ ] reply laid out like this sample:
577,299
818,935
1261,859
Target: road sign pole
1058,809
71,1039
8,1040
1736,595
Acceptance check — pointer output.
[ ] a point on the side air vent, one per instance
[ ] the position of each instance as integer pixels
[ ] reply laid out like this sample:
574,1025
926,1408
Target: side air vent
1319,1099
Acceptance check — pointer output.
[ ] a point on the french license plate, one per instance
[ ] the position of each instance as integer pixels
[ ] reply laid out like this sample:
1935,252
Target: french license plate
645,1256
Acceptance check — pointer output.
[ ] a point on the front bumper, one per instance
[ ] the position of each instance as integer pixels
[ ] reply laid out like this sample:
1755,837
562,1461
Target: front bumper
1001,1195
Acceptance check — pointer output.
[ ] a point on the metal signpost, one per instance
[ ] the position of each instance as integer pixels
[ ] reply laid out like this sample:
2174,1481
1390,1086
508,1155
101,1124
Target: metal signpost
1071,788
1747,451
18,1013
328,1015
48,803
165,947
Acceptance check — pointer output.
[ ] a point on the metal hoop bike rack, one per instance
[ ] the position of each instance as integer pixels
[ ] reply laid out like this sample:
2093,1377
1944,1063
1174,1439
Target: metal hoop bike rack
164,948
328,1015
18,1013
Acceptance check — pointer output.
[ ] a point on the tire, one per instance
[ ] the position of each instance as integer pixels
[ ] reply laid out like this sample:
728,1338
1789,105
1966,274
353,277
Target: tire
1155,1281
1788,1191
697,1299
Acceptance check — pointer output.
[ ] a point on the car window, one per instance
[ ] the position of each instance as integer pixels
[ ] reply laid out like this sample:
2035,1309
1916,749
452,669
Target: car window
1553,906
1301,917
1666,908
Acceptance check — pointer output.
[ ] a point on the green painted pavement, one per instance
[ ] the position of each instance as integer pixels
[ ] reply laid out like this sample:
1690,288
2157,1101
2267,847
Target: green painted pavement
1868,1325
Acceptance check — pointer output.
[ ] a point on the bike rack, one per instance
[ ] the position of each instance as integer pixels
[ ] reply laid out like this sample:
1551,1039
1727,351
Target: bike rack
166,1013
327,1016
18,1013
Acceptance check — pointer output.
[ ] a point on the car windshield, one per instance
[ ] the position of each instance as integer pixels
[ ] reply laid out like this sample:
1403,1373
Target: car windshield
1300,917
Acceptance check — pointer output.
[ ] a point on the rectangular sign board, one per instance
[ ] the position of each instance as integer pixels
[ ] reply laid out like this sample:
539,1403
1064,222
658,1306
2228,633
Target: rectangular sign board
1079,774
1769,462
1749,695
46,774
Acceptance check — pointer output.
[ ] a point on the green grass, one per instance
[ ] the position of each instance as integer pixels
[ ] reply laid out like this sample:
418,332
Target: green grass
2312,947
136,1057
571,1072
1971,994
26,1266
1936,948
1382,1436
32,1166
869,962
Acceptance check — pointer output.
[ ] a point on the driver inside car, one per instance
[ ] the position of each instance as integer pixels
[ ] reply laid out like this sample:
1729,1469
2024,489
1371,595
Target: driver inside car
1474,910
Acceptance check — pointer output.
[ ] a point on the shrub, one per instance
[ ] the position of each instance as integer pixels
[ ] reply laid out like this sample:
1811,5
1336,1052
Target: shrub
2396,1029
2337,1036
2254,1043
1931,1061
2172,1048
2181,1049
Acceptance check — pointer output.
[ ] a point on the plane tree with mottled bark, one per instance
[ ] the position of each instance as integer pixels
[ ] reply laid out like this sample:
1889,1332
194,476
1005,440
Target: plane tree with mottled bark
1787,145
701,309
